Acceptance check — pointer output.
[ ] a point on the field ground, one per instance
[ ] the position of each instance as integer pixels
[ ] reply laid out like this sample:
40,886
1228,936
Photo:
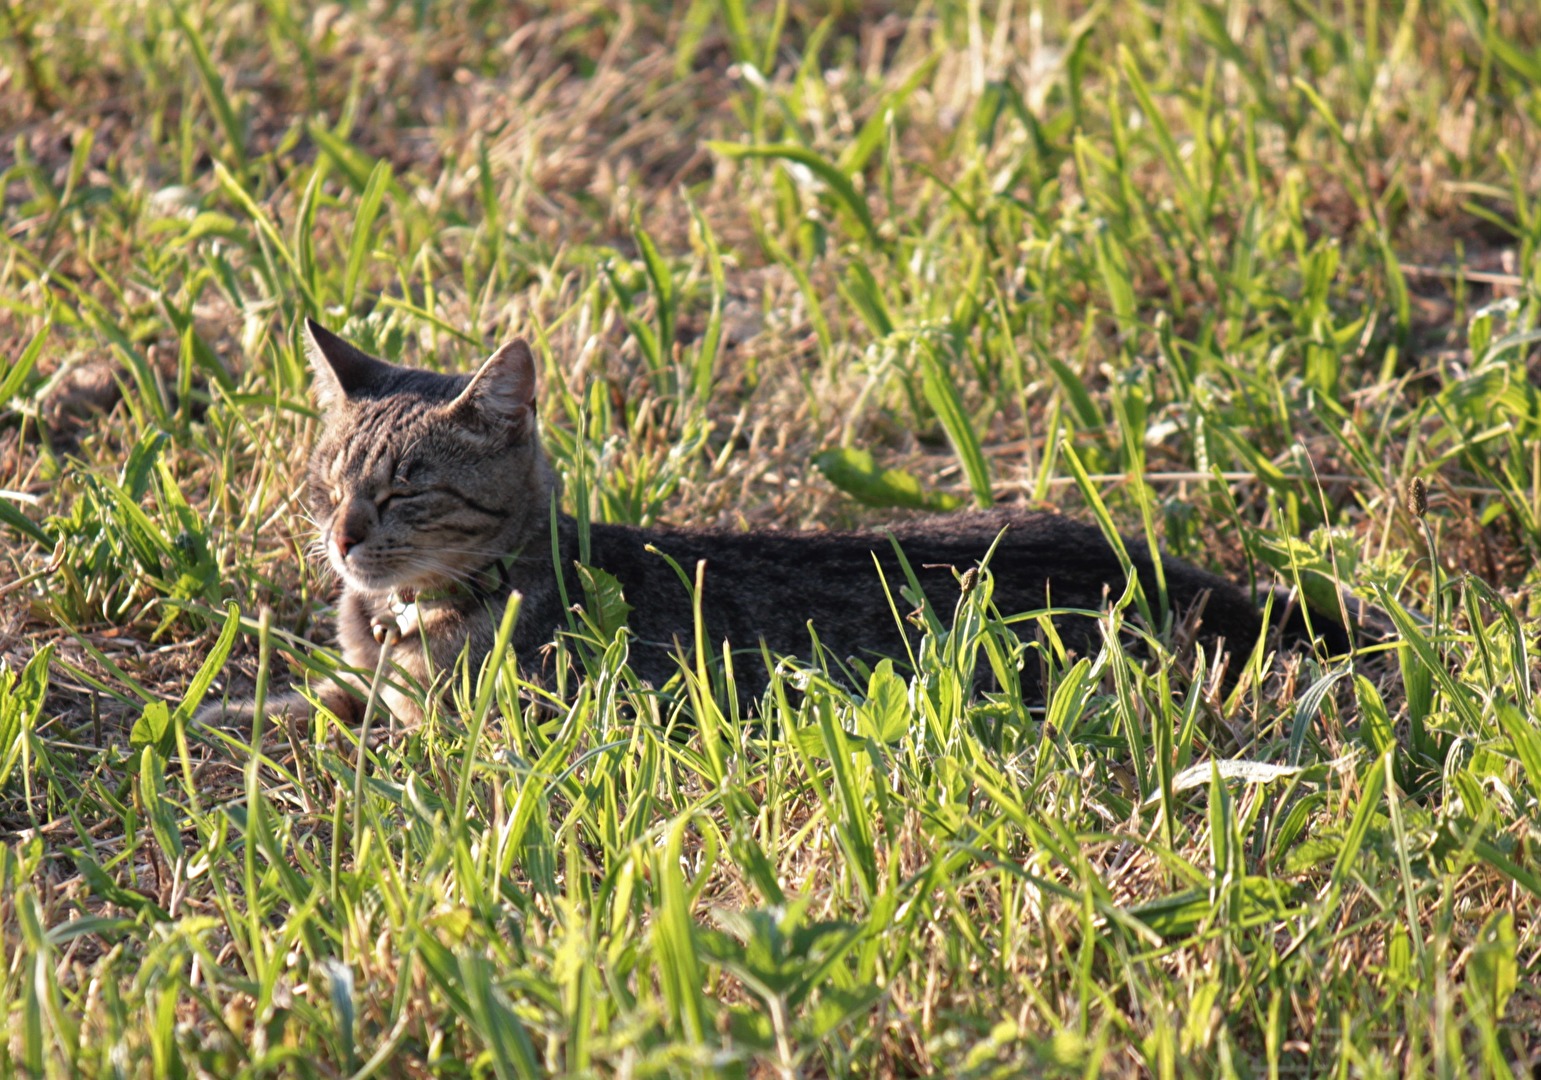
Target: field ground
1235,272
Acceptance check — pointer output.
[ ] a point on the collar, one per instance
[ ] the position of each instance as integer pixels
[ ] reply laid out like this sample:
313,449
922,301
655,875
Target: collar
406,605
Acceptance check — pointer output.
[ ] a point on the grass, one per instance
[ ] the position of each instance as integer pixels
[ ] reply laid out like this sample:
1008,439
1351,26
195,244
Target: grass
1233,275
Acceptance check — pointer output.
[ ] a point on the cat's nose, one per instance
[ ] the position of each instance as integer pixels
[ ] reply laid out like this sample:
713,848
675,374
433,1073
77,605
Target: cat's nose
345,541
350,527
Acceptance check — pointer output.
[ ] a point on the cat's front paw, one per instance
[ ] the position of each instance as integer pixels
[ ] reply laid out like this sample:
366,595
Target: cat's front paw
398,621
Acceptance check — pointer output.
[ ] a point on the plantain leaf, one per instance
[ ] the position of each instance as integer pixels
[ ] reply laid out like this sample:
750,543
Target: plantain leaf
604,600
858,475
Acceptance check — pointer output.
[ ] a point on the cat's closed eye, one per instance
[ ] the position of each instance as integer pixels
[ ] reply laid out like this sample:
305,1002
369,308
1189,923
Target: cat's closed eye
412,468
396,493
404,484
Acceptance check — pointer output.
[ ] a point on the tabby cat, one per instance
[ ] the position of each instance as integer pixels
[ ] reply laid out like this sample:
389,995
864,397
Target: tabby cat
434,497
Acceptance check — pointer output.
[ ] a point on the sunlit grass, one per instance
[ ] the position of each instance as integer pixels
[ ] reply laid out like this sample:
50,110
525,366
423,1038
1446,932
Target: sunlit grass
1229,276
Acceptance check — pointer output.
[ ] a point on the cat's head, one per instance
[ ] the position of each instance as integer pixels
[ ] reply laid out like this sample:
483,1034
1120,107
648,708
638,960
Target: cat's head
420,478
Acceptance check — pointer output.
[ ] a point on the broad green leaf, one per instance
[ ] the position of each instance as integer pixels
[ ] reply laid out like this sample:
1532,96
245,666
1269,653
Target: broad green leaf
358,166
1526,741
153,728
1086,411
604,600
507,1040
1319,563
857,152
14,518
212,664
162,813
885,715
21,700
1306,709
103,887
858,475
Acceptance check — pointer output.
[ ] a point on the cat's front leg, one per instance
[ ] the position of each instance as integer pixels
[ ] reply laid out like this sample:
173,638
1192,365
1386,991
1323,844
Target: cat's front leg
365,623
426,639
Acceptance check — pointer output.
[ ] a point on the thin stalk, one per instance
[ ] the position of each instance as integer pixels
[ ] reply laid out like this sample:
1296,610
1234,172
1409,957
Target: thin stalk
391,637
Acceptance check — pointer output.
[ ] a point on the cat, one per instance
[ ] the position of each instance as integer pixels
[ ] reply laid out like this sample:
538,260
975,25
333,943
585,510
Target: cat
434,497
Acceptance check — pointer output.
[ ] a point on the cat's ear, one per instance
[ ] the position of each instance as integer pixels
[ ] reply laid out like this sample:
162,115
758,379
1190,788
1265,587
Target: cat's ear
503,390
342,371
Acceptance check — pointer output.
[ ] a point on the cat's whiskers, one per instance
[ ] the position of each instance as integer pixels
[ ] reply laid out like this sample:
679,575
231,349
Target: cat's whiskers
489,553
404,570
425,563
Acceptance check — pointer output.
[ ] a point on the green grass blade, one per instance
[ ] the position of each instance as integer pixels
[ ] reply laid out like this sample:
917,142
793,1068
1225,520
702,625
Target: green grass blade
1371,781
213,89
839,184
363,230
943,398
11,385
673,942
233,188
508,1043
709,349
661,282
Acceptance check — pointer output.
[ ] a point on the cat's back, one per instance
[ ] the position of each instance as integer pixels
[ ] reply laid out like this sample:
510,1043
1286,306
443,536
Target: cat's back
1028,545
771,584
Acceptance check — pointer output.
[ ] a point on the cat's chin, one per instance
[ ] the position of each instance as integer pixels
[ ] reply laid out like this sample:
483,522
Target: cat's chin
360,580
379,583
361,584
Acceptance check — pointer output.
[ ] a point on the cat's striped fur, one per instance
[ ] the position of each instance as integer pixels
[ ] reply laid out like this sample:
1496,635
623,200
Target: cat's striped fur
434,485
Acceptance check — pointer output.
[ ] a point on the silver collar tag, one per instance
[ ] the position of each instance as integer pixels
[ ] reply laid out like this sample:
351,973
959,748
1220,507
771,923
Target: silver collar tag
406,614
